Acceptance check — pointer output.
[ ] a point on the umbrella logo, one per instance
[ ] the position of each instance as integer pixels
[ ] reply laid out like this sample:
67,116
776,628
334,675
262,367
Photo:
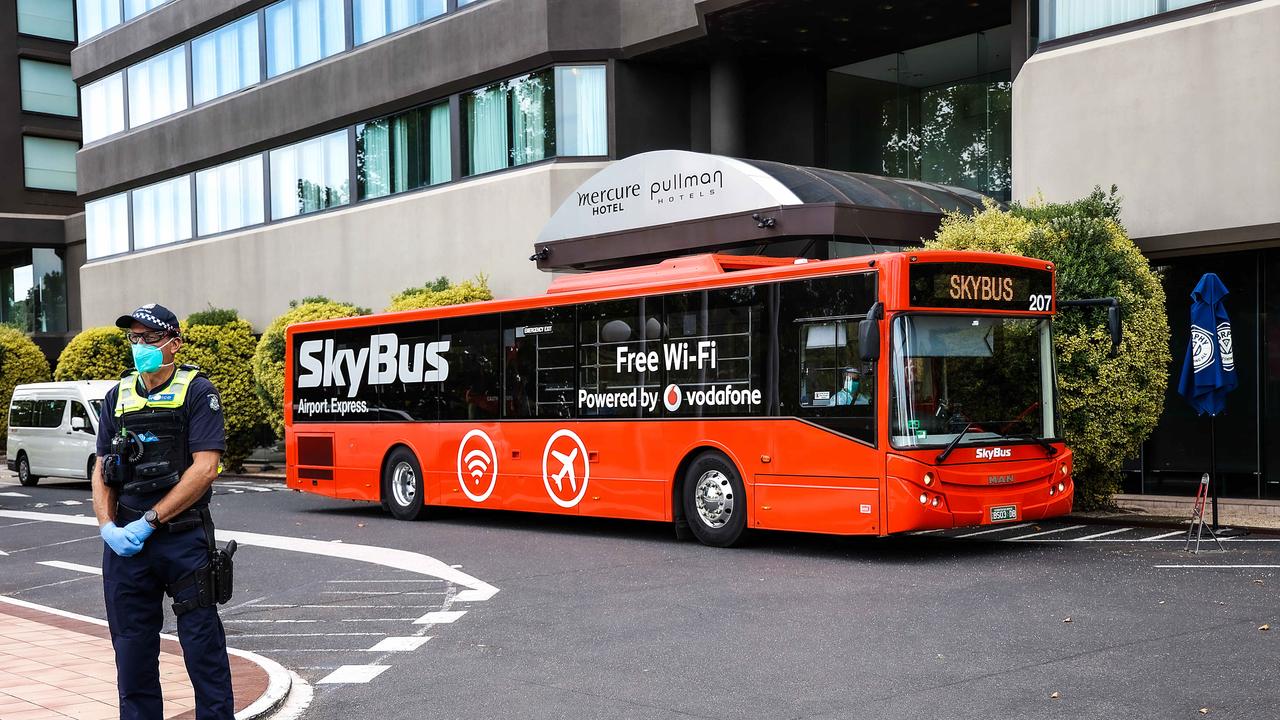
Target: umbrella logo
1202,347
1224,347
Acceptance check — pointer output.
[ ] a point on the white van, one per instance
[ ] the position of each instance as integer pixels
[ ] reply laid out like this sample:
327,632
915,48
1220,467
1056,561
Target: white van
53,429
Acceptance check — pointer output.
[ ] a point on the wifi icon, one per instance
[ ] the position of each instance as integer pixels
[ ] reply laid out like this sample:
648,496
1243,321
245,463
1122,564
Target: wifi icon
477,458
477,463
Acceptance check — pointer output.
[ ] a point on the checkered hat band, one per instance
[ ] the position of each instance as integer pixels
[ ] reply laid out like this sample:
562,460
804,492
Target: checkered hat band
145,316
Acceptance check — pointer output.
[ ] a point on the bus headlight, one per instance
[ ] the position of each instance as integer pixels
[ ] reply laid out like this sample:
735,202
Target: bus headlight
1061,487
1063,470
928,479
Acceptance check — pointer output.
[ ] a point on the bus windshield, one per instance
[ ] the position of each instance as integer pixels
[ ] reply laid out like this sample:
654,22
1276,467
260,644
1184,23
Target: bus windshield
986,378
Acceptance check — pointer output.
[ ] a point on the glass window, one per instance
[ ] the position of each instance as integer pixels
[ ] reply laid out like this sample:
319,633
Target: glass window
300,32
102,106
134,8
510,123
229,196
225,60
96,16
714,352
615,375
375,18
403,151
162,213
78,410
582,111
311,175
831,373
47,18
49,164
473,388
20,413
539,350
414,392
1059,18
47,88
48,413
158,86
48,295
106,224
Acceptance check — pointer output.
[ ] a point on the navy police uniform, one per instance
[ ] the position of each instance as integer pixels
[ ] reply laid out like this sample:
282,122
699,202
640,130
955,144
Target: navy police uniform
179,418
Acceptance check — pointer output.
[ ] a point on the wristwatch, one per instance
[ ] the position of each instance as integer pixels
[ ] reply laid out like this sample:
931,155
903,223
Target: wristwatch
152,519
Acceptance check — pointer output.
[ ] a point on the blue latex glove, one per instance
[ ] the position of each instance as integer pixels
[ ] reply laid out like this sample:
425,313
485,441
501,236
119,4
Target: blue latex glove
119,541
139,530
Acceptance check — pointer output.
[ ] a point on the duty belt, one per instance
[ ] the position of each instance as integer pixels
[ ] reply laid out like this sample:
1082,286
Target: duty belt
186,520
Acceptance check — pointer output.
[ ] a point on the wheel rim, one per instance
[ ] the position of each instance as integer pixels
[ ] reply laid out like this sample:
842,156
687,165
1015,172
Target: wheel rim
713,497
404,484
24,470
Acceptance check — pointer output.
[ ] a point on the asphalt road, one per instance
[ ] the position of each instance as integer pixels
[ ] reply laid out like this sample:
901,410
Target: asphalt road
612,619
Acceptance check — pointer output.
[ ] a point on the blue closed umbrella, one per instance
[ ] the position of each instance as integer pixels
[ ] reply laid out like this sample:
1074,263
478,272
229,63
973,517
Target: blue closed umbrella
1209,371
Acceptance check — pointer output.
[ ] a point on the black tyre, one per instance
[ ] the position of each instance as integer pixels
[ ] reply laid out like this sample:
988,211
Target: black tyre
24,472
715,501
402,485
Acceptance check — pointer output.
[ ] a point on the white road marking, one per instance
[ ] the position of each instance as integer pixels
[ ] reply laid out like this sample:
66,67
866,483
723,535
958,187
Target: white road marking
341,607
382,592
471,596
388,557
993,530
61,542
439,616
13,494
409,580
70,502
1215,567
71,566
400,644
1086,538
396,619
234,620
353,674
1154,538
1045,532
5,554
265,635
926,532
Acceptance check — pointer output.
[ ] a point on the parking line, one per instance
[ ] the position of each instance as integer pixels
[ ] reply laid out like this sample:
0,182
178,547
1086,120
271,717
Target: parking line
233,620
71,566
1098,535
353,674
400,644
1045,532
400,619
992,530
403,580
262,635
439,616
13,494
1161,537
1216,567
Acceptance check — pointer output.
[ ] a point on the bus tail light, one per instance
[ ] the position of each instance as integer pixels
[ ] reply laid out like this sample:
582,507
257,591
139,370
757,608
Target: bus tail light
928,479
935,501
1062,487
924,499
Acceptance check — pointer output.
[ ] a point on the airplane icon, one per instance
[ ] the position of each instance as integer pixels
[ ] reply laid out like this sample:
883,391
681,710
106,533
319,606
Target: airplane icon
566,468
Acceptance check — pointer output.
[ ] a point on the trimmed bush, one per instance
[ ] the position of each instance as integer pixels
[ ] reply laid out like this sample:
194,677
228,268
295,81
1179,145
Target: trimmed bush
1109,404
268,358
20,362
439,292
100,353
224,352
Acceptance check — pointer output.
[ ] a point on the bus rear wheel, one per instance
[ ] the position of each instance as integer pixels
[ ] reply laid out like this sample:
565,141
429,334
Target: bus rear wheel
402,489
715,501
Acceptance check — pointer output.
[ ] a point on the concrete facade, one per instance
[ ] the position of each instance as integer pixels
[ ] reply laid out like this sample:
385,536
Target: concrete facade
362,254
1182,116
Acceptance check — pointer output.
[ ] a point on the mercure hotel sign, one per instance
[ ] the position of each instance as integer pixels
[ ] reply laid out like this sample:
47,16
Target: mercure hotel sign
661,187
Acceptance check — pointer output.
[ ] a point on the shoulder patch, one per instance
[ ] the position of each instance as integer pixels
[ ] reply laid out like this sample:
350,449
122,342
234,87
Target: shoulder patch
214,403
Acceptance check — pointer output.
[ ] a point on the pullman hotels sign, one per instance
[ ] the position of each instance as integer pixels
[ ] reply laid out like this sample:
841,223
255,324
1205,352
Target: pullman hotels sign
663,187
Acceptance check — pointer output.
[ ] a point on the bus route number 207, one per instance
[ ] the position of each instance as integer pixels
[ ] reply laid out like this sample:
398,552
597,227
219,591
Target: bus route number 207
1040,303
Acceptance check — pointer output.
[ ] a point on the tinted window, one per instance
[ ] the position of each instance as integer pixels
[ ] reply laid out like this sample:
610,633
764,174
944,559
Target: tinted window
820,375
619,358
78,410
539,350
20,413
50,413
714,353
331,376
473,389
412,395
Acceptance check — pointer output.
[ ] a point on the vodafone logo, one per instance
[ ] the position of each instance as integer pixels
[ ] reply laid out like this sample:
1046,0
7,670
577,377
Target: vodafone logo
672,397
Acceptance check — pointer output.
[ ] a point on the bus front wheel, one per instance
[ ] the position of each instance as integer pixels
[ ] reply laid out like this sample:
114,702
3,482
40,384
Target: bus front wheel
402,485
715,502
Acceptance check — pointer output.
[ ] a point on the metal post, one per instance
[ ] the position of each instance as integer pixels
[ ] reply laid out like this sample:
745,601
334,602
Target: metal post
1213,465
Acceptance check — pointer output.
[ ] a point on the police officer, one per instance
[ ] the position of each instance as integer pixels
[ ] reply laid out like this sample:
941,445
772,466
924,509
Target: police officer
160,439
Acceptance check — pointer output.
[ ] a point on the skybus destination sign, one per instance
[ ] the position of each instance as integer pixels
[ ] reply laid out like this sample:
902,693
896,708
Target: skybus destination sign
983,286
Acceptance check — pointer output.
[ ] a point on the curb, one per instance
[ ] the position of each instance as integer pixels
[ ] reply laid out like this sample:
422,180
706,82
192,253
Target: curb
279,684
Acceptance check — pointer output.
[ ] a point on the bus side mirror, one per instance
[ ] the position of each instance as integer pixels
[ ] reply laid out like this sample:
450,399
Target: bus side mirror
1113,324
869,334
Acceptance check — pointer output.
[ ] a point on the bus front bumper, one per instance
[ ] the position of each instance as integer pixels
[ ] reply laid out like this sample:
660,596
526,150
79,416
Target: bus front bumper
951,506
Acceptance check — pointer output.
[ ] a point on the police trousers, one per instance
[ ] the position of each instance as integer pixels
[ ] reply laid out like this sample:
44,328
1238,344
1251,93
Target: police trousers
135,594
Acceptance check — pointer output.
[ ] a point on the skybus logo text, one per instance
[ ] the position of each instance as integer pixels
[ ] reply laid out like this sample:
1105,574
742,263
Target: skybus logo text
992,453
386,359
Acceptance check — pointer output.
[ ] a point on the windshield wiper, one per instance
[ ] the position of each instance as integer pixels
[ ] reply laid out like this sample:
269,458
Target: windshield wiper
1048,447
952,445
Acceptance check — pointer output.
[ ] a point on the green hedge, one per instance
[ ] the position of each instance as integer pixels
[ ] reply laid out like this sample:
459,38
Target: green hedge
1108,404
100,353
222,345
439,292
20,362
268,358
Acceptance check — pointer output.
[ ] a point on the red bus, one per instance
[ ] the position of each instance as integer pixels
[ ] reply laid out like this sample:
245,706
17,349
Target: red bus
870,395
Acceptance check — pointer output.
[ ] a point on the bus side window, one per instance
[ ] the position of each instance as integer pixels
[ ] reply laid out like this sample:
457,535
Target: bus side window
473,387
831,373
717,341
614,342
538,371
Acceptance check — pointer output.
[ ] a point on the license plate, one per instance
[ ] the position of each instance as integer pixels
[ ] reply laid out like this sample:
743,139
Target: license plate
1004,513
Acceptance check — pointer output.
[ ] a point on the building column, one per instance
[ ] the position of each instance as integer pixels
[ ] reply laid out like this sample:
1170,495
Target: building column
728,133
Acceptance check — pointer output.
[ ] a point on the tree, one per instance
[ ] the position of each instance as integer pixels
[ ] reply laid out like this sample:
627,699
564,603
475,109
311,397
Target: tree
222,346
20,362
440,292
1109,403
100,353
268,358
